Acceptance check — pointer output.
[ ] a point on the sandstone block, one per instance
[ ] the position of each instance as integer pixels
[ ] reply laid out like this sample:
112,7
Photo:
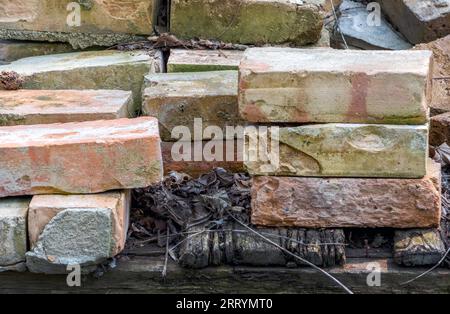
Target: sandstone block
177,99
347,202
248,21
419,20
11,50
79,158
185,60
13,231
88,70
338,150
61,106
76,229
325,85
81,23
440,129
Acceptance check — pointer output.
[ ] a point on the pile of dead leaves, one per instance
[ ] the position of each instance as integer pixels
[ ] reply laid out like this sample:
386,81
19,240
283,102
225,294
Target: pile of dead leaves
180,202
10,80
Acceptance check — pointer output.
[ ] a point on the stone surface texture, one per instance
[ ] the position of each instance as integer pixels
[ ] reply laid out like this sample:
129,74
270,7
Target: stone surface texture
11,50
185,60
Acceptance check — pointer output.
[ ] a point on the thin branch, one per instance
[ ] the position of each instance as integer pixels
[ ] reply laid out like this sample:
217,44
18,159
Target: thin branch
166,261
337,24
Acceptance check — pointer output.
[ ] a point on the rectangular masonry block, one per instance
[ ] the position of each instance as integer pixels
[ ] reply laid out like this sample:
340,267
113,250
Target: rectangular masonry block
81,23
79,158
347,202
11,50
107,69
186,60
76,229
13,230
338,150
325,85
419,20
248,21
59,106
177,99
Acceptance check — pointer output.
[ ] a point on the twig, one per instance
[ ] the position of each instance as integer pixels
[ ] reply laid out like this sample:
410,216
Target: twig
337,24
166,261
428,271
293,255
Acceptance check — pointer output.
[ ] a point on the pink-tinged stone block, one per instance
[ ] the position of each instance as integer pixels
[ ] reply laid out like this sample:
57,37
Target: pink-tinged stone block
80,158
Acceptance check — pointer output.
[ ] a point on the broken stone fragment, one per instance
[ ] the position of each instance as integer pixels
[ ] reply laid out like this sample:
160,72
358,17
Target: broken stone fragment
11,50
185,60
79,158
441,74
354,24
76,230
248,21
107,69
440,129
419,20
325,85
347,202
27,107
177,99
338,150
236,245
13,232
418,247
100,23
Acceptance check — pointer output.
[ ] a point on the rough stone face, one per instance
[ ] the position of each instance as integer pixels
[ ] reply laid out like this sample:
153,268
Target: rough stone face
419,20
11,50
248,21
76,229
360,34
79,158
174,160
325,85
176,99
44,107
13,231
185,60
441,73
440,129
102,22
88,70
418,247
339,150
338,203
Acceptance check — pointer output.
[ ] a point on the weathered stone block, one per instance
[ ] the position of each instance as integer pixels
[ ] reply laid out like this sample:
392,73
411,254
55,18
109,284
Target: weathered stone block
88,70
11,50
440,129
347,202
418,247
325,85
81,23
186,60
197,158
44,107
79,158
177,99
419,20
248,21
13,230
338,150
76,229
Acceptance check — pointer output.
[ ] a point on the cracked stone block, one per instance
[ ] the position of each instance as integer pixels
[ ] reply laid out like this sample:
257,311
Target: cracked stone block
81,23
106,69
76,230
27,107
295,22
11,50
419,20
186,60
338,150
80,157
177,99
418,247
325,85
347,202
13,232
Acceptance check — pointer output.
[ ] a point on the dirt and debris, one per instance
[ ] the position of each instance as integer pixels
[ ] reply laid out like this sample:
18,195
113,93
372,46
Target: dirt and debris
10,80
